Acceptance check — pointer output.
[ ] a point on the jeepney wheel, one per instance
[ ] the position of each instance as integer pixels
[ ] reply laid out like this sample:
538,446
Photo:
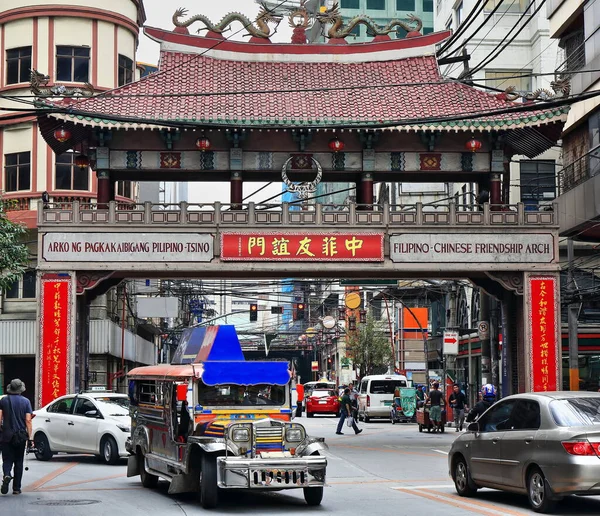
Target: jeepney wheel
148,479
313,495
209,492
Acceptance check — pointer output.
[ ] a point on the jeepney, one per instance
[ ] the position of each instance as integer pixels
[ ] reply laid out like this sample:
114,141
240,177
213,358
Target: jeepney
216,421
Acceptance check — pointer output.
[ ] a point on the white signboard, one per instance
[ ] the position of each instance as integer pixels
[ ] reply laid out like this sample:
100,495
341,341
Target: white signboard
472,248
450,343
157,306
127,247
483,330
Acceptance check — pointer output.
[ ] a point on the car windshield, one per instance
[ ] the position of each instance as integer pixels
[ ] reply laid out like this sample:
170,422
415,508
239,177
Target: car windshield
110,407
386,386
576,411
323,394
230,394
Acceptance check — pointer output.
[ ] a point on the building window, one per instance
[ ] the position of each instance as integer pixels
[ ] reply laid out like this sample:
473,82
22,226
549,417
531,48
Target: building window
18,64
400,33
459,14
72,64
124,189
513,6
376,5
428,6
125,70
68,175
538,181
23,288
427,30
350,4
17,172
501,79
405,5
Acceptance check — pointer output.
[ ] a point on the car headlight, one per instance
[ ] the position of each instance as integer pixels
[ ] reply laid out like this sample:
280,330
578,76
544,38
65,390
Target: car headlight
240,434
294,435
124,428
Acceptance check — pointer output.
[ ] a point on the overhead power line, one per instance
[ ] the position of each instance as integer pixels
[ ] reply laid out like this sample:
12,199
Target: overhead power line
477,8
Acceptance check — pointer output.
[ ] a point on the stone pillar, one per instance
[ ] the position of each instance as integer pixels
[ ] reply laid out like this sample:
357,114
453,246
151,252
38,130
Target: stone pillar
366,190
103,189
236,189
495,190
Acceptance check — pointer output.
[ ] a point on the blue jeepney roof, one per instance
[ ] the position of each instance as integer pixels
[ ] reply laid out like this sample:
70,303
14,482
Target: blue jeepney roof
245,373
208,343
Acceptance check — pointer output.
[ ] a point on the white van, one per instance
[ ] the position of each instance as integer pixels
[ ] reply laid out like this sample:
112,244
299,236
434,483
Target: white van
376,395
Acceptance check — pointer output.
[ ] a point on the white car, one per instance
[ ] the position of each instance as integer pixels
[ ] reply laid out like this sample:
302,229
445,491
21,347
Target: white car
96,423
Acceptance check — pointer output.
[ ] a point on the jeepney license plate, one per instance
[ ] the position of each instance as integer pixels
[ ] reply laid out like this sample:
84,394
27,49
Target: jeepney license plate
275,477
322,403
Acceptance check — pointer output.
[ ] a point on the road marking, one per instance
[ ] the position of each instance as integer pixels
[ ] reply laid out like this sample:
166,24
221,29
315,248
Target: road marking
454,503
50,476
441,451
79,482
486,505
426,486
403,452
395,481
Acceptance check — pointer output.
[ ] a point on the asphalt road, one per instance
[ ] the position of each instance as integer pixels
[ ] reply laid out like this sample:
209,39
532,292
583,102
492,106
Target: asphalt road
386,470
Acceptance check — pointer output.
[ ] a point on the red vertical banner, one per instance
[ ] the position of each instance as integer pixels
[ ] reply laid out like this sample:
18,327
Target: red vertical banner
544,345
55,334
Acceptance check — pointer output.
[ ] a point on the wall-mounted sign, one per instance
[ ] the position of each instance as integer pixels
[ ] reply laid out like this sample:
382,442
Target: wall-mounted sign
544,351
483,330
127,247
450,342
473,248
325,247
55,334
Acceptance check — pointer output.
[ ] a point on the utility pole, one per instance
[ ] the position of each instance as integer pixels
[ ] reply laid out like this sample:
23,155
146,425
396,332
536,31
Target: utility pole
486,358
573,316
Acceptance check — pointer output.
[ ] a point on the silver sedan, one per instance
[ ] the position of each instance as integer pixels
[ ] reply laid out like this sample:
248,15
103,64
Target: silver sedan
545,445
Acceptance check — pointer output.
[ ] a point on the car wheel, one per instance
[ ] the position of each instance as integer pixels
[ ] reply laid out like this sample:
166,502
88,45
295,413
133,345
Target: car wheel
209,492
149,480
42,446
313,495
109,450
538,492
462,479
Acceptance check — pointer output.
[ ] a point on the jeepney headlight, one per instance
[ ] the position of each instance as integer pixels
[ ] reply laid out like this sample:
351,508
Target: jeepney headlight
294,435
240,434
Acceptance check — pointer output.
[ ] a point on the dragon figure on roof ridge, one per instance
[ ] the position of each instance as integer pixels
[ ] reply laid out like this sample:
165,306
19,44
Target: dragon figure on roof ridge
39,87
261,30
561,87
339,30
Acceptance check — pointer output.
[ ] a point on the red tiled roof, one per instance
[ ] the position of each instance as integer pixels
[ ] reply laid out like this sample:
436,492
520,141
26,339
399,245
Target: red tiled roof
208,91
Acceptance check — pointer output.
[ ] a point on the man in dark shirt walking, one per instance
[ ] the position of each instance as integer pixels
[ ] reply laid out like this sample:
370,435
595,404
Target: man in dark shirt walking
436,400
15,416
346,411
458,402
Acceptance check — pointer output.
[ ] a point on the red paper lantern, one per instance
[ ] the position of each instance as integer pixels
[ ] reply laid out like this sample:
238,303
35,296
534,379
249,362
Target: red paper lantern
62,135
203,143
336,145
473,145
82,161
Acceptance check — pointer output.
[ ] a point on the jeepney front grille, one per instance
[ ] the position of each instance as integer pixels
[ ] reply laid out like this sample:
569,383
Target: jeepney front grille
268,438
275,477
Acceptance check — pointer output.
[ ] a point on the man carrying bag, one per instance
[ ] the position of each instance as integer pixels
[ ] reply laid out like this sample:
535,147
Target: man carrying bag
15,419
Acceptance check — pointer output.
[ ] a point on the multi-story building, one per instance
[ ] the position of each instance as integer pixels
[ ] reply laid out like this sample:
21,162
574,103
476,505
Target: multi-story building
73,43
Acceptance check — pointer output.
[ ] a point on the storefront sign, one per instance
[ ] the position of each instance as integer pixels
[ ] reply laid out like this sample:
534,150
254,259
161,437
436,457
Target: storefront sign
326,247
55,331
314,366
544,341
473,248
131,247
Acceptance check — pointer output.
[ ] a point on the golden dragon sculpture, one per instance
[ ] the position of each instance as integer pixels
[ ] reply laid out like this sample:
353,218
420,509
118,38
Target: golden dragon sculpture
261,30
333,16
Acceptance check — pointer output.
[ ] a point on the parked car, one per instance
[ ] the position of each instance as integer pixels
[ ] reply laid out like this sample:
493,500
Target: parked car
96,423
322,401
376,395
543,445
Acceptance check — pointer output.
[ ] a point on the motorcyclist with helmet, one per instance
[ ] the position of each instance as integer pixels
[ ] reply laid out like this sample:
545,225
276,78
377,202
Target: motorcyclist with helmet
488,393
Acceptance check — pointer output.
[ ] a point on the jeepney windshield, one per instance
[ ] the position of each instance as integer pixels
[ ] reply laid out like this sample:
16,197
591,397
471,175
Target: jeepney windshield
248,395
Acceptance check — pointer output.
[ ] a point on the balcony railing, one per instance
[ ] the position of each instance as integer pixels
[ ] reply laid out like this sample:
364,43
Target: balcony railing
251,214
579,171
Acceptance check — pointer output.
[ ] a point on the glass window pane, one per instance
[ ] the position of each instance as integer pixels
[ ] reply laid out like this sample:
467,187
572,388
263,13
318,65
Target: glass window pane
405,5
376,4
13,53
80,179
24,74
80,73
13,291
64,51
12,71
66,158
82,52
63,69
63,177
10,179
427,30
23,158
497,418
350,4
10,159
428,6
29,282
24,177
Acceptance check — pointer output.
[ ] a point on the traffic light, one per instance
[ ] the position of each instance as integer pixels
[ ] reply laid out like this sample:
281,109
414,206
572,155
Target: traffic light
253,312
300,307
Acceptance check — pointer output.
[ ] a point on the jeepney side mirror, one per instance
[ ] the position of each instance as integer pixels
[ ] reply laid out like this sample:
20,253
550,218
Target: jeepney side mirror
182,390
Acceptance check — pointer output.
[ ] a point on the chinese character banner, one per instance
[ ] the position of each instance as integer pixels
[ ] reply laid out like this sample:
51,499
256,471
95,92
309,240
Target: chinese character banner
326,247
55,331
544,340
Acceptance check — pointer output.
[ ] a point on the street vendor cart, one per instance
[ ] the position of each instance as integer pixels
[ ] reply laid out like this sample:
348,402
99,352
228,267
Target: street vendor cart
424,422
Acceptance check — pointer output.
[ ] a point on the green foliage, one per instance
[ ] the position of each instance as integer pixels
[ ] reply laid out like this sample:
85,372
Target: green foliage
14,256
371,348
